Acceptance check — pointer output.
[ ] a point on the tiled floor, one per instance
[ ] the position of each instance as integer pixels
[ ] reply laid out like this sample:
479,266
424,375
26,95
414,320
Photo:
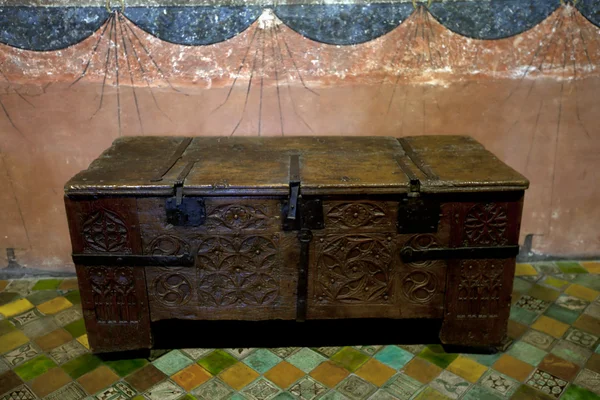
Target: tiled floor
555,325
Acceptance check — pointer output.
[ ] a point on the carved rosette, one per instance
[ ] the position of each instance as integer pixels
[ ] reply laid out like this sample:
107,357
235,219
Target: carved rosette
356,215
479,289
237,217
113,292
354,269
238,271
105,231
485,225
171,288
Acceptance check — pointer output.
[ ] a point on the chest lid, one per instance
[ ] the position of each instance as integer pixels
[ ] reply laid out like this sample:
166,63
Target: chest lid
217,166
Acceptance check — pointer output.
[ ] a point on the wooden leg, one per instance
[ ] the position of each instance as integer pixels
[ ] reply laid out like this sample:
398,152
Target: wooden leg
477,304
115,308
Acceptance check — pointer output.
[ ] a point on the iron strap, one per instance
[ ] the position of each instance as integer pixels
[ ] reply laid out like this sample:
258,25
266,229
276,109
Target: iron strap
410,254
305,236
172,160
133,260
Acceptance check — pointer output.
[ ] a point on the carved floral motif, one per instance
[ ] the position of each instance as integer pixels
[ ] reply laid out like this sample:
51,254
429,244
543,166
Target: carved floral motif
238,271
113,292
357,215
167,245
105,231
171,288
354,269
420,286
237,216
485,224
479,289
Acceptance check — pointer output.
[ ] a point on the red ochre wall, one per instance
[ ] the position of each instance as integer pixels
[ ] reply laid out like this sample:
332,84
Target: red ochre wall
532,99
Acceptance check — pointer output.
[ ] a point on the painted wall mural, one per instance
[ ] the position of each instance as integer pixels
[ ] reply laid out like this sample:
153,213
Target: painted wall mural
521,76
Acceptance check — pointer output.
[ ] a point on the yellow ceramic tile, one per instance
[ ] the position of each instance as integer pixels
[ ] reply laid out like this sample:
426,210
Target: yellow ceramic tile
329,374
375,372
525,269
55,305
3,285
69,284
239,376
550,326
12,340
284,374
15,308
191,377
84,341
467,368
582,292
592,266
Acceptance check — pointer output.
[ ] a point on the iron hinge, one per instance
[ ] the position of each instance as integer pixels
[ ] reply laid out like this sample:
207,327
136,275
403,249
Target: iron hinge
300,212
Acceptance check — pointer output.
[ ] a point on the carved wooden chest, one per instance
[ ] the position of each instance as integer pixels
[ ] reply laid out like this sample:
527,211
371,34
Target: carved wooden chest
297,228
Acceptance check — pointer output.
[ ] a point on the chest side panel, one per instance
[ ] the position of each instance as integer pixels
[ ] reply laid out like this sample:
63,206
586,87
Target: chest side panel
245,267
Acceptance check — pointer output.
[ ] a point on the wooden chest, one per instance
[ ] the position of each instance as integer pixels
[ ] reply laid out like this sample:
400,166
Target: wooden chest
295,228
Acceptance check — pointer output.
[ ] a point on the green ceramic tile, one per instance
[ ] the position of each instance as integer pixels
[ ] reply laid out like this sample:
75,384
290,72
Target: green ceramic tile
42,296
479,393
571,267
523,316
190,397
34,368
590,281
172,362
126,367
526,352
74,297
521,285
544,293
349,358
562,314
262,360
546,268
575,392
6,326
47,284
217,361
280,396
306,359
560,284
436,354
7,297
486,359
76,328
81,365
394,356
333,395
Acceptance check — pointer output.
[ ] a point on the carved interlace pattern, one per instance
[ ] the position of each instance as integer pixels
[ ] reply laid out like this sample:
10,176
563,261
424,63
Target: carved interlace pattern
420,286
354,269
167,245
485,224
105,231
113,291
171,288
479,289
238,271
237,216
357,215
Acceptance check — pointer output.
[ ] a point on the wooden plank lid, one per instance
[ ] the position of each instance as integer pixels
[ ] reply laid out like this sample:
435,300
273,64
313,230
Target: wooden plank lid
261,165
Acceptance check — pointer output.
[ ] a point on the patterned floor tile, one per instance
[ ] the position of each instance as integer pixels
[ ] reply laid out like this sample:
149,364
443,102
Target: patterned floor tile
118,391
40,327
23,319
356,388
21,354
165,391
527,353
450,385
72,391
589,380
21,286
559,367
413,348
67,351
307,389
430,393
240,353
369,350
581,338
193,376
20,393
327,351
172,362
333,395
571,302
145,378
262,360
513,367
217,361
479,393
382,395
547,383
284,374
239,376
262,389
213,390
402,386
571,352
68,316
499,383
195,354
284,352
49,382
593,310
538,339
306,359
394,356
546,268
526,392
532,304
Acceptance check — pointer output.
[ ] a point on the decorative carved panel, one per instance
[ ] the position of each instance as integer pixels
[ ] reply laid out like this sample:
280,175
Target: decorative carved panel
238,271
105,231
113,295
479,289
486,225
354,269
357,215
171,288
238,216
420,286
167,245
